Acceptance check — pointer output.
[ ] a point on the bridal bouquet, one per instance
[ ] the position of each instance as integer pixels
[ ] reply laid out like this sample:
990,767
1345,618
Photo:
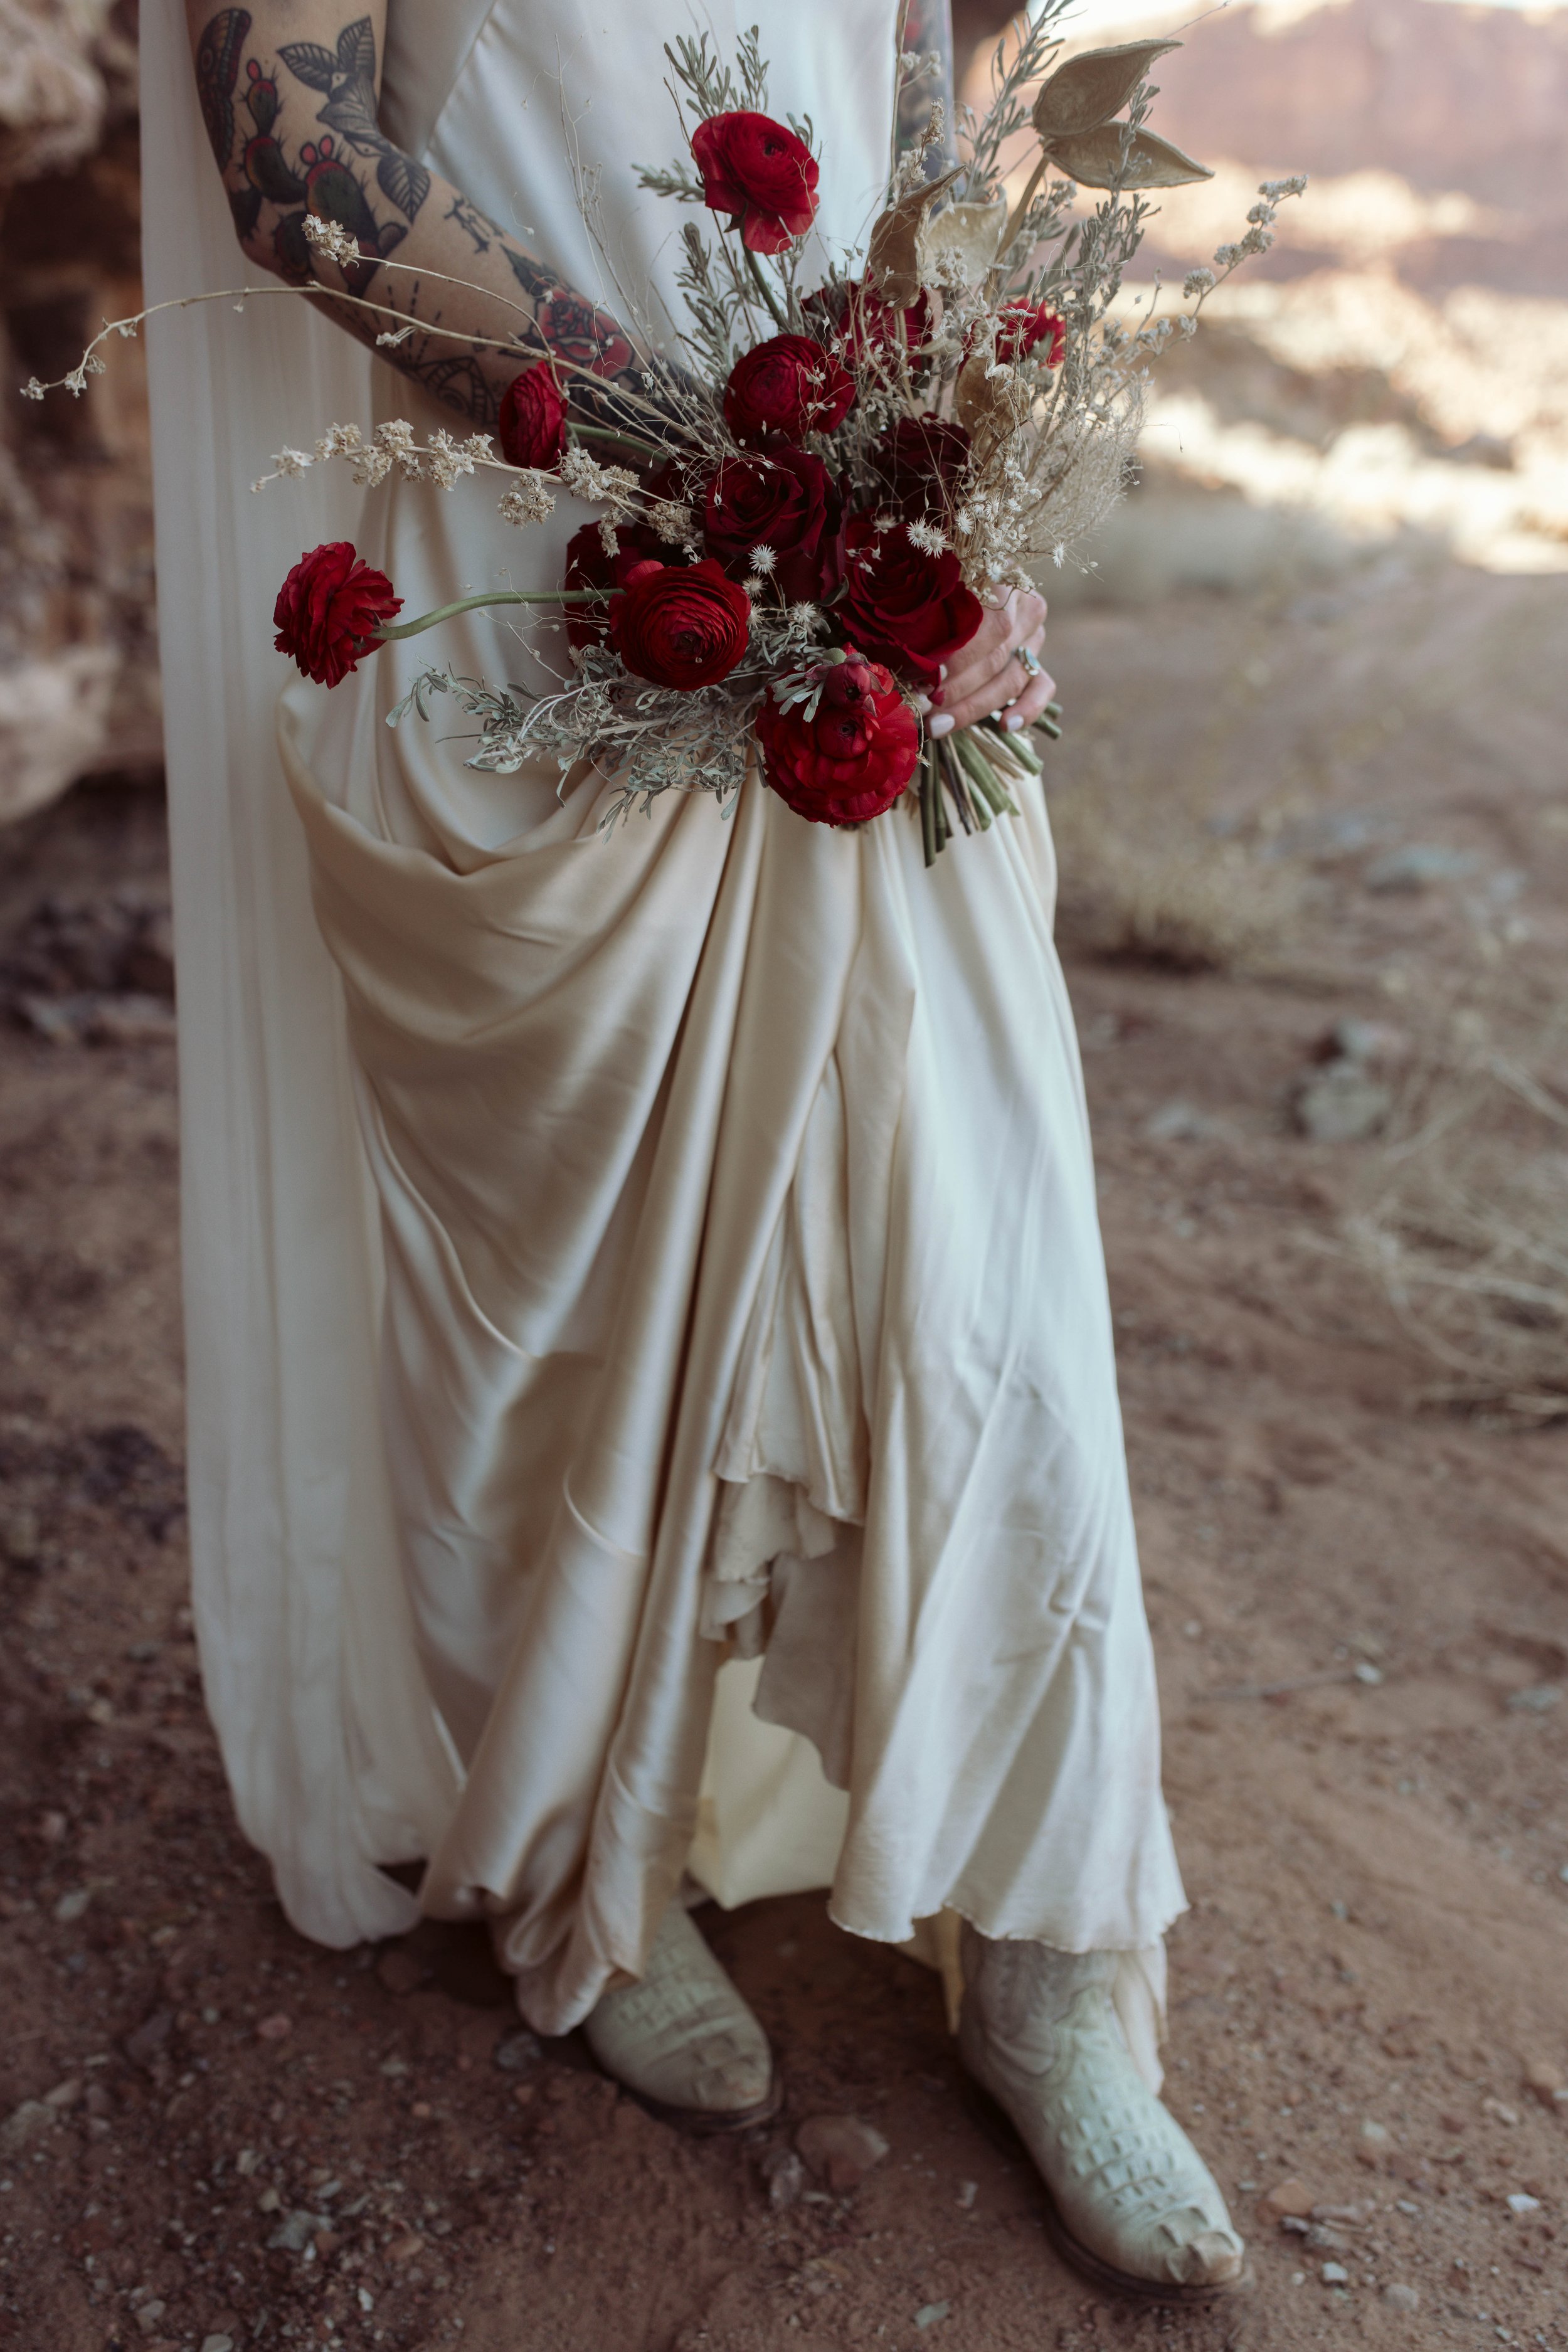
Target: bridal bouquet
804,506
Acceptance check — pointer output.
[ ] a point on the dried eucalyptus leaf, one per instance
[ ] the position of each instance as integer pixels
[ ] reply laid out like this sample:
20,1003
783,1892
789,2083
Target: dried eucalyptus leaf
957,247
1088,89
1093,158
892,256
980,397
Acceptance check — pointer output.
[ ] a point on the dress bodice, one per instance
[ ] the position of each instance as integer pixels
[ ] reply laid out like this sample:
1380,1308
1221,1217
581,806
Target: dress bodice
514,101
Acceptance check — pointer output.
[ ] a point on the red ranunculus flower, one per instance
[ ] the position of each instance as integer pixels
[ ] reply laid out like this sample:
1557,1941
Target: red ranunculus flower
903,606
531,428
1023,325
682,625
588,566
329,610
853,759
852,319
921,459
788,384
759,172
782,497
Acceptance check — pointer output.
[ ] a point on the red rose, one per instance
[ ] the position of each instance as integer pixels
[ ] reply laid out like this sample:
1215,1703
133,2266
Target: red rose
531,428
902,605
681,624
780,498
788,384
853,759
588,566
921,460
329,610
755,169
1023,325
852,319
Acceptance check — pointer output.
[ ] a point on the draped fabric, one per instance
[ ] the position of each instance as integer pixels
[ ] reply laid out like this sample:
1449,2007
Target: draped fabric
611,1256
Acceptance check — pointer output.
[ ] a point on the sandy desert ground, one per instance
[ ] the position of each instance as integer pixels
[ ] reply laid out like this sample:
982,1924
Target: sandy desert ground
216,2136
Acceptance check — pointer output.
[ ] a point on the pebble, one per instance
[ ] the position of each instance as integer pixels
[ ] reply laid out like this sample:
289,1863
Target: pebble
1544,2082
1367,1041
22,2124
840,2149
70,1906
1181,1122
297,2231
1340,1104
930,2313
1499,2111
1334,2274
1402,2298
1417,867
217,2344
403,2249
148,2316
1519,2203
515,2053
64,2095
786,2175
1538,1700
1290,2200
275,2028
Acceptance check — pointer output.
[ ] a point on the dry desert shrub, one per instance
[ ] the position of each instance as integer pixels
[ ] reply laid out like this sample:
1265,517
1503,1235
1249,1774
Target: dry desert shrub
1463,1223
1146,880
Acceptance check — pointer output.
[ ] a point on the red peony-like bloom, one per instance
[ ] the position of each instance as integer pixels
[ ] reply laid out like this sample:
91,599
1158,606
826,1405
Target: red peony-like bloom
329,610
788,384
758,171
532,427
1024,325
922,458
780,498
853,320
903,606
681,625
588,566
853,759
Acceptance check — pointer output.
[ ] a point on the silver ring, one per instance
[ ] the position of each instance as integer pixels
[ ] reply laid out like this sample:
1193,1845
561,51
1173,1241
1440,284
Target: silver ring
1033,667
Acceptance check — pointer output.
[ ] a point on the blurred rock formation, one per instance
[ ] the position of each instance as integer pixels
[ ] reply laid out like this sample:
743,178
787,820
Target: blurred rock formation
78,681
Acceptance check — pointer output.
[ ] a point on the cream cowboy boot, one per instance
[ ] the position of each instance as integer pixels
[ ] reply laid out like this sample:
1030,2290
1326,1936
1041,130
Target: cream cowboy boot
1132,2202
682,2039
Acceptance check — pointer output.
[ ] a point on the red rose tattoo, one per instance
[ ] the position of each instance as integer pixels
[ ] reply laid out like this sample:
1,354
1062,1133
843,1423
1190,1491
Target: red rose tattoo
853,757
903,606
681,624
790,386
588,338
329,610
759,173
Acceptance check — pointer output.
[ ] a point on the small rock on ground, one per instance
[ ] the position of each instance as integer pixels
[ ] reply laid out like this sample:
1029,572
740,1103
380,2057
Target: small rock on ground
1402,2298
840,2149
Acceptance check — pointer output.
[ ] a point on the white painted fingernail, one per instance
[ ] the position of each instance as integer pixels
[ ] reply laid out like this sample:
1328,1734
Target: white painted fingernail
1012,722
942,724
942,672
922,703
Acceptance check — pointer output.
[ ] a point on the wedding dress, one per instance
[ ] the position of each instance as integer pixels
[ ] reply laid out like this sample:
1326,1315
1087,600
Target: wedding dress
652,1396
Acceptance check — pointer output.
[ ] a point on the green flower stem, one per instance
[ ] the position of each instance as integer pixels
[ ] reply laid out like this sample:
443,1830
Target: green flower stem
997,796
762,287
618,439
927,790
498,596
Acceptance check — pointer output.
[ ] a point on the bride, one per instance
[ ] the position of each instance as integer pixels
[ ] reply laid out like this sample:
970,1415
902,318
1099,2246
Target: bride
653,1413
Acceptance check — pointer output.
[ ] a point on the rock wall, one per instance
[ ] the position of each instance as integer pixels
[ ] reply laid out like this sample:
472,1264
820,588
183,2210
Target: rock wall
79,679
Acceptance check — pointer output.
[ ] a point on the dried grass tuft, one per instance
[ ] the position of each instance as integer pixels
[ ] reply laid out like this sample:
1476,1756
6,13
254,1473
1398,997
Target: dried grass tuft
1146,885
1465,1226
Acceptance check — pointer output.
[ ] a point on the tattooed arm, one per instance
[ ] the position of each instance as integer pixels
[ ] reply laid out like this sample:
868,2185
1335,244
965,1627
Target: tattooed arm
289,92
928,31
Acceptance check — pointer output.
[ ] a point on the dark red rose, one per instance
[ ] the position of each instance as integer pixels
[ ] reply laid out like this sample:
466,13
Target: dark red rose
681,625
788,384
1024,325
760,172
921,460
588,566
576,331
329,610
780,498
531,428
852,319
903,606
853,759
